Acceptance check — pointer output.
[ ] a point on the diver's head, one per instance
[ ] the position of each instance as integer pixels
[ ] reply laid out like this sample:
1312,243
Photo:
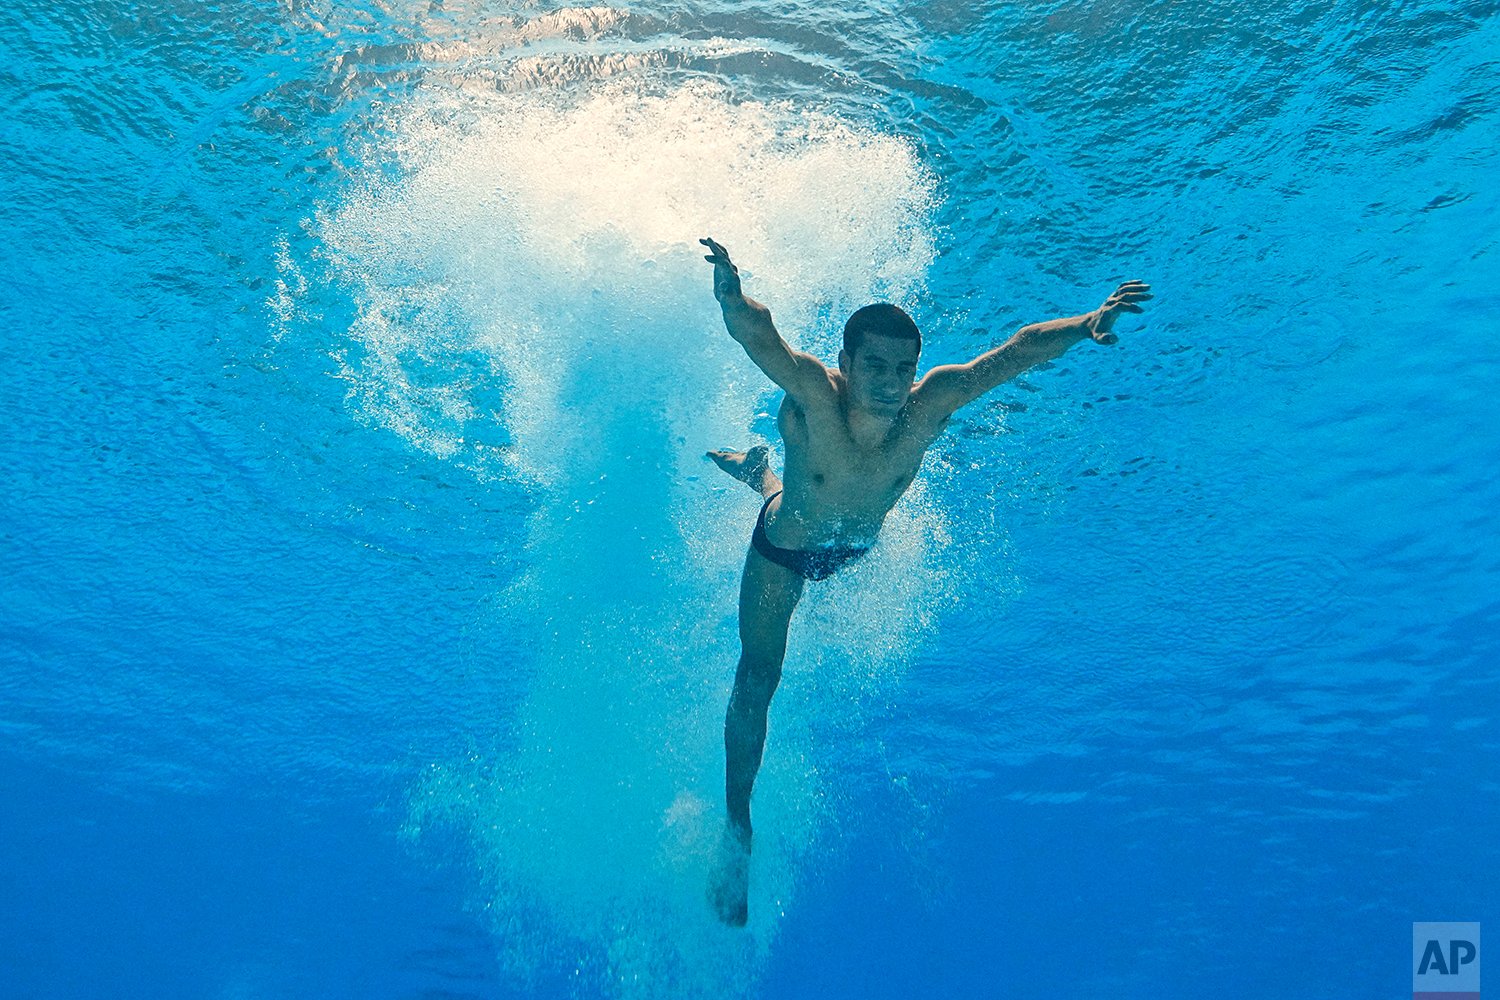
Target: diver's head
879,359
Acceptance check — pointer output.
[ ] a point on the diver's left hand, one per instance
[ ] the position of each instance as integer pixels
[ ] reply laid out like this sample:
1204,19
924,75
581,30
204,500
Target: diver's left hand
1124,299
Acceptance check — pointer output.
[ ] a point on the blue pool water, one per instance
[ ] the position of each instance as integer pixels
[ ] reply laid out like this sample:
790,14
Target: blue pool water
366,605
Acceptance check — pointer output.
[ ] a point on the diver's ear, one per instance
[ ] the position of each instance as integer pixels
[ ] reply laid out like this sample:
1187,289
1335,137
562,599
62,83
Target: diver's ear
845,362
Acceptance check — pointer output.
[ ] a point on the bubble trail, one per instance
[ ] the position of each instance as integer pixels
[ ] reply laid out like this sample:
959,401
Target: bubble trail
532,305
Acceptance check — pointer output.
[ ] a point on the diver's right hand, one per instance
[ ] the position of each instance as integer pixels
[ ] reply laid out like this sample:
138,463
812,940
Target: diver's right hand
726,275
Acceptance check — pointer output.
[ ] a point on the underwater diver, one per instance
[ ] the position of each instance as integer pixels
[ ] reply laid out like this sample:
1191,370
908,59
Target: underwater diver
854,439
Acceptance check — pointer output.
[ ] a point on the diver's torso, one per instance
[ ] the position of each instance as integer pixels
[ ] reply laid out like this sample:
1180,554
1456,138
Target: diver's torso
837,492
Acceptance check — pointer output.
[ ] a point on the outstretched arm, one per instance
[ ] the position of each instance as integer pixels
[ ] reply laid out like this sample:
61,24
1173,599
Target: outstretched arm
803,376
948,387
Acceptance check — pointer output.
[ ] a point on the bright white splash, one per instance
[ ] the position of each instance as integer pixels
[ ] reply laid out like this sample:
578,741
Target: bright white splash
545,243
556,236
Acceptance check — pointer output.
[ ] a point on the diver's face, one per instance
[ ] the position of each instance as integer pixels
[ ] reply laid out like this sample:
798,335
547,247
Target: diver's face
880,373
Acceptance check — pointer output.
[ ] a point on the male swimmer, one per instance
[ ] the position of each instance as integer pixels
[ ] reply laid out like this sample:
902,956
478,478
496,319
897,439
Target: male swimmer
854,437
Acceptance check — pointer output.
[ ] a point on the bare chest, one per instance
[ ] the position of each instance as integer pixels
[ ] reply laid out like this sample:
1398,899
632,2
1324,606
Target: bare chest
827,469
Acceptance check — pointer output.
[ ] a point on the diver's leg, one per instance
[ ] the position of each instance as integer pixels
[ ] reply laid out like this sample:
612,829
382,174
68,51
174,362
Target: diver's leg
753,468
768,595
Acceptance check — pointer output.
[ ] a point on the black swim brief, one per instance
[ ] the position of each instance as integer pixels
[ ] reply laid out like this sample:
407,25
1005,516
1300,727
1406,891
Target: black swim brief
810,564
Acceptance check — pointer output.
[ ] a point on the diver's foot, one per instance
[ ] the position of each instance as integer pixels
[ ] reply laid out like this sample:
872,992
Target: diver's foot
729,885
749,467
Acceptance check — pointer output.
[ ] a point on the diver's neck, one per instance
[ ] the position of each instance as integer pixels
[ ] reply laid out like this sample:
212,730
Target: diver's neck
867,428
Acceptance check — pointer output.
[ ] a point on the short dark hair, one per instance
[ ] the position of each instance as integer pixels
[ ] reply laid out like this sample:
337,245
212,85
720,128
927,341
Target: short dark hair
881,319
